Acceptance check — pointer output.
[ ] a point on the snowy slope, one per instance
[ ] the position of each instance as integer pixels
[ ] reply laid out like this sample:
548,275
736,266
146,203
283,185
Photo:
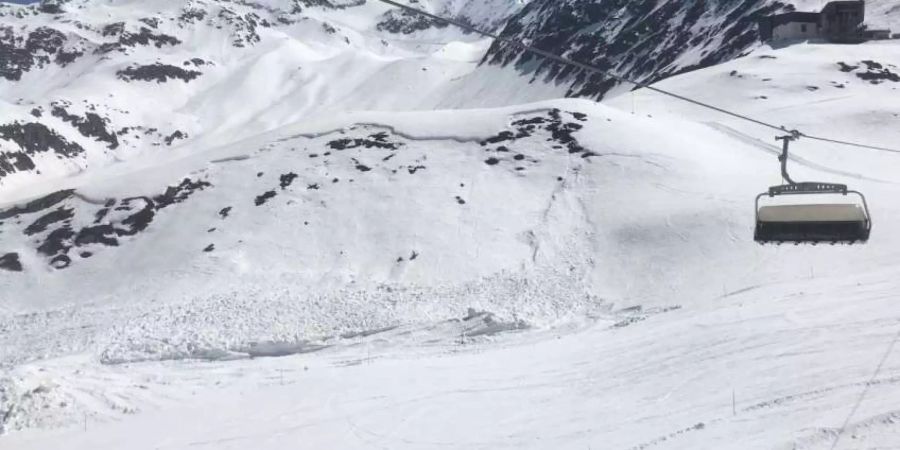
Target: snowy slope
662,303
824,90
794,356
558,274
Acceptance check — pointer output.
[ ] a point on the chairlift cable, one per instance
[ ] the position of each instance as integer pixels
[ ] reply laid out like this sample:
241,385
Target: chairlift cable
852,144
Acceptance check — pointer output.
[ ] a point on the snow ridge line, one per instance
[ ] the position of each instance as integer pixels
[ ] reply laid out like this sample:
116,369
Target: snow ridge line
409,136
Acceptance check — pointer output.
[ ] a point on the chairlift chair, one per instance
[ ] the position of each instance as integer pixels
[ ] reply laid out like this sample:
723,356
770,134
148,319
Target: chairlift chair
833,223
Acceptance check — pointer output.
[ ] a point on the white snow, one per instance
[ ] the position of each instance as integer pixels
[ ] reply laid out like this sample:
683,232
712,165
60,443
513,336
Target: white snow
612,301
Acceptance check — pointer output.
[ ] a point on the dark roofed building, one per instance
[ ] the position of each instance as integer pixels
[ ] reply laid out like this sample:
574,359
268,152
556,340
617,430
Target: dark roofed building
839,21
791,25
843,20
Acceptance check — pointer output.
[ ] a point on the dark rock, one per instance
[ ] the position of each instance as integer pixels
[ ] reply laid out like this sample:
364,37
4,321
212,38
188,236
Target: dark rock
243,27
191,15
113,29
846,68
101,214
58,241
51,6
561,132
262,199
61,214
502,137
20,54
287,179
176,135
64,58
158,72
405,22
144,37
37,138
180,193
145,212
91,125
151,22
872,65
134,215
98,234
374,141
877,73
10,262
46,202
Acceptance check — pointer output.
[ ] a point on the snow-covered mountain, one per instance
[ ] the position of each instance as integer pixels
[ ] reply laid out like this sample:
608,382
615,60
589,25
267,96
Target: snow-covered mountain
189,187
88,83
643,40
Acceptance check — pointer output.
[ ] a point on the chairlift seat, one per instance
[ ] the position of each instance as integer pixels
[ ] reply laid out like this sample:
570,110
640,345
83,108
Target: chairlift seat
833,212
812,223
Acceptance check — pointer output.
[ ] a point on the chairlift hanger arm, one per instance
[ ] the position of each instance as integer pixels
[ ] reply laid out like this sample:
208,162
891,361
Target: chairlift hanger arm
786,142
800,187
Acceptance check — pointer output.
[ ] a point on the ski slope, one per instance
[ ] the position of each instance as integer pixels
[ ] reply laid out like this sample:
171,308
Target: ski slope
554,274
795,356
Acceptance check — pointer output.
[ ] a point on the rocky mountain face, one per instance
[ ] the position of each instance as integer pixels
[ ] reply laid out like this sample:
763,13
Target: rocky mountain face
646,40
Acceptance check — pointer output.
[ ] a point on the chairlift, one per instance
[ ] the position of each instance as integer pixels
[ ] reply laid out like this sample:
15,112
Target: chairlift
833,223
